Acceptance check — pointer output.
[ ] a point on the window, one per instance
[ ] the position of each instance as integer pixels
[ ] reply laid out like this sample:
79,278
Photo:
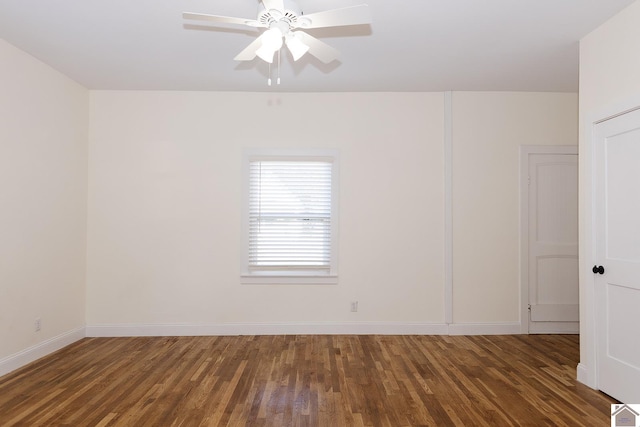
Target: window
290,217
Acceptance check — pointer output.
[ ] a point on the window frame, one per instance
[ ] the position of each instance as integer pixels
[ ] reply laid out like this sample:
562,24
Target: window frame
291,276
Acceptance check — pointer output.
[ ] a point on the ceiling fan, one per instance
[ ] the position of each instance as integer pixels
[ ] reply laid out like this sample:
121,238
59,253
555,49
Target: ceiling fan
284,20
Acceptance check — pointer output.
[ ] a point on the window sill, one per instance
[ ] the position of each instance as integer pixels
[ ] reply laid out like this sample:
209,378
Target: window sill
290,279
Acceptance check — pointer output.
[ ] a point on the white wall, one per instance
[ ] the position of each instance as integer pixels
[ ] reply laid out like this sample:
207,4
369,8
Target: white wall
609,84
165,198
165,205
488,130
43,185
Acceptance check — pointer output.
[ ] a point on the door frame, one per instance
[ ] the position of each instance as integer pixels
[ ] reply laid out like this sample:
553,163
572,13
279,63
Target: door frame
525,152
587,369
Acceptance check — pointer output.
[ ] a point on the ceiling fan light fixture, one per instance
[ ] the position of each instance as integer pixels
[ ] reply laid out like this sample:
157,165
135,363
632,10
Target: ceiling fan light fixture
272,39
296,46
271,43
265,54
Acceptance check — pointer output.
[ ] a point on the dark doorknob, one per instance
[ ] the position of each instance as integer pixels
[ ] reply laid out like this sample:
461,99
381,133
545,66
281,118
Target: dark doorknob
598,269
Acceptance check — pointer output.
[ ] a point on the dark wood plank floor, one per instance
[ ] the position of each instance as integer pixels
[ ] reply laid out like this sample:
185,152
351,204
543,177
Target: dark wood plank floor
306,381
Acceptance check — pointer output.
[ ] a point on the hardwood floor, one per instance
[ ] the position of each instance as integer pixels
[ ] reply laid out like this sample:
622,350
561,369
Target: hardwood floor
306,381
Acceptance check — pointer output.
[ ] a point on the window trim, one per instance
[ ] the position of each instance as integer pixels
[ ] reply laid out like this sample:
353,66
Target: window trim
293,276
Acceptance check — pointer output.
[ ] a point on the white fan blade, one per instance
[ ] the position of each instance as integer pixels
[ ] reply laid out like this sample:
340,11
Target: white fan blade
274,4
221,19
317,48
354,15
250,51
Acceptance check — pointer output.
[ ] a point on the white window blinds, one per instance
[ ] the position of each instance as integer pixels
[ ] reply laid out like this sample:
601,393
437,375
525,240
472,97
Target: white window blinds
290,215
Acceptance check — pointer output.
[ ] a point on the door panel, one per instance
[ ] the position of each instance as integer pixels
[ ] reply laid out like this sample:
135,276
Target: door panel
623,203
617,249
556,198
620,346
553,275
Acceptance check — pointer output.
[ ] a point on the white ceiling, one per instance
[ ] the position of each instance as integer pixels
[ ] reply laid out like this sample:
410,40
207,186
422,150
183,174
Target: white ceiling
412,45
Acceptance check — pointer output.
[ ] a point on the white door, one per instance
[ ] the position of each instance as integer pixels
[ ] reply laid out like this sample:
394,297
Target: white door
617,253
553,243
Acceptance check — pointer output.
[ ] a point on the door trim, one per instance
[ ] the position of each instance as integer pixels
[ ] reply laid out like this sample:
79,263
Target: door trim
525,152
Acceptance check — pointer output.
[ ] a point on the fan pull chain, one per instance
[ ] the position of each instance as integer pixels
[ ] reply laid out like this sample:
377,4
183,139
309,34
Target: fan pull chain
269,79
279,66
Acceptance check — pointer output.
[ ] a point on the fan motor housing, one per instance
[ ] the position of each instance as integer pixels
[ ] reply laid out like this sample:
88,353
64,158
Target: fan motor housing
290,14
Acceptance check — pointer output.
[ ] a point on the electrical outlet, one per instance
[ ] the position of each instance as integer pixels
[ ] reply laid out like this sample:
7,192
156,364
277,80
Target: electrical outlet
38,324
354,306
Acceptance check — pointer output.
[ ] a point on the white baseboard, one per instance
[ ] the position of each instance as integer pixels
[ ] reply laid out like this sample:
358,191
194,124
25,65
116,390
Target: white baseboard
484,329
554,327
35,352
322,328
584,377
